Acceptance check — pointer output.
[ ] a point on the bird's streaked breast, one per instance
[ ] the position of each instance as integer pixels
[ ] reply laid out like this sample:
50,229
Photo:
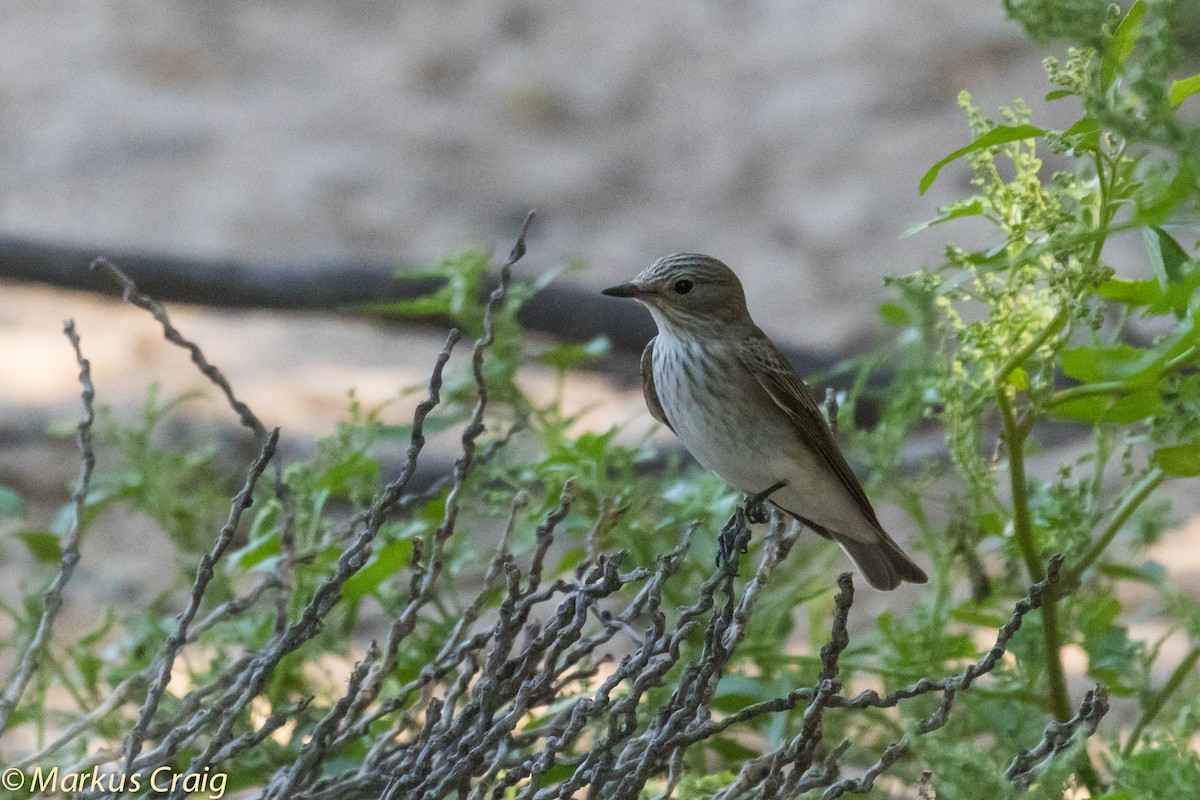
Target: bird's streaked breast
726,420
714,407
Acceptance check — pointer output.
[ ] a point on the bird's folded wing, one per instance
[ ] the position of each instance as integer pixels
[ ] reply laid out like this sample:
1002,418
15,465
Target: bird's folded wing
763,360
648,390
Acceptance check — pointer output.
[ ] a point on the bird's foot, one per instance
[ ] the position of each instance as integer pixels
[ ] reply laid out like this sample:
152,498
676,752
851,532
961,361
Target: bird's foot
735,537
756,504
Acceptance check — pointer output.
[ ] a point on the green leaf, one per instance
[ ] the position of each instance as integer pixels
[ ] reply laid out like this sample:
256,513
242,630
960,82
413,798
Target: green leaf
957,210
571,559
386,561
569,356
1134,406
1169,261
990,523
341,478
459,298
1058,94
42,545
11,505
894,313
972,614
1019,379
1101,364
255,553
732,751
1120,47
1082,409
1126,370
1100,614
1001,134
1113,408
1110,652
1181,461
994,258
557,774
1130,293
428,306
1155,203
1166,255
1183,89
1083,136
1131,367
1151,572
735,692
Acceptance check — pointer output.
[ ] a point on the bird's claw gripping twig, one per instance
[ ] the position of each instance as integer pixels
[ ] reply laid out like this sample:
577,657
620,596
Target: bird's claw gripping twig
754,511
756,504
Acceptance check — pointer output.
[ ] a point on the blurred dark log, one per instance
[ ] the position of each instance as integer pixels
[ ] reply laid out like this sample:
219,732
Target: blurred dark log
565,311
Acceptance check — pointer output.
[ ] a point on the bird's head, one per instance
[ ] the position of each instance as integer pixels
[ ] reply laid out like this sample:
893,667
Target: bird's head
688,293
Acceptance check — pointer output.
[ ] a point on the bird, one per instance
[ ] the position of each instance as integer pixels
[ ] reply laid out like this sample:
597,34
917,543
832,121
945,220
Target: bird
735,402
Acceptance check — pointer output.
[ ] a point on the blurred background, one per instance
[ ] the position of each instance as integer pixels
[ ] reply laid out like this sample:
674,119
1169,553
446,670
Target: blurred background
786,138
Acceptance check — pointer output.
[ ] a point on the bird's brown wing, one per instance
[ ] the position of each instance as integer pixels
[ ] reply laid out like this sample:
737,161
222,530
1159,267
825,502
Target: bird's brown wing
648,390
764,361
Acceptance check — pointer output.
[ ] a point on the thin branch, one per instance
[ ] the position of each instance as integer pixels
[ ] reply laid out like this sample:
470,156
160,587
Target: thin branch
1130,502
1022,520
1057,737
204,574
112,700
1152,706
52,600
130,293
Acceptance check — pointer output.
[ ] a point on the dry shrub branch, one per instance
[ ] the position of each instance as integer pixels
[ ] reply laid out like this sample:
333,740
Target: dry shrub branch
549,696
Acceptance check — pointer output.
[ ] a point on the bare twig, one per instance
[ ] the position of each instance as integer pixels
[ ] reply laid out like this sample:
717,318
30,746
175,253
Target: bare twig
1057,737
314,751
204,574
130,293
249,682
52,600
235,699
114,699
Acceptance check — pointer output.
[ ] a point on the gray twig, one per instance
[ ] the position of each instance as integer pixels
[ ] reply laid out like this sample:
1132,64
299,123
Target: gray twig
204,574
52,600
1057,737
130,293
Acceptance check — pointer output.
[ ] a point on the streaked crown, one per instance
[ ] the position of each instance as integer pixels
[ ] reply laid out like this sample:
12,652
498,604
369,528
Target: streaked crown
689,293
695,266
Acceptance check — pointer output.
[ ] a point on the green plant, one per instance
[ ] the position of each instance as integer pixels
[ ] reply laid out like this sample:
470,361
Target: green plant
1038,329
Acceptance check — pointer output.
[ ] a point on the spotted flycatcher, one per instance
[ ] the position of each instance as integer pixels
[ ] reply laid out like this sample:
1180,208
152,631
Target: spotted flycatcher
723,387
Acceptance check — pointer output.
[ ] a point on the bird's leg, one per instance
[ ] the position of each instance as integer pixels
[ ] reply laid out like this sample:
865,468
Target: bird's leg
756,504
752,510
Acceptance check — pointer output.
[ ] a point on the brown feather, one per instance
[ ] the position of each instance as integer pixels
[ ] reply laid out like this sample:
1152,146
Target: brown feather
648,390
785,388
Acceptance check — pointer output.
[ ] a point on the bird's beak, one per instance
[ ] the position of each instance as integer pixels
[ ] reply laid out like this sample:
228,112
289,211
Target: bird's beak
625,290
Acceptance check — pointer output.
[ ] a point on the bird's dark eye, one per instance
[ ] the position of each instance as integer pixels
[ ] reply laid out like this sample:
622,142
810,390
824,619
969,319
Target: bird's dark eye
682,286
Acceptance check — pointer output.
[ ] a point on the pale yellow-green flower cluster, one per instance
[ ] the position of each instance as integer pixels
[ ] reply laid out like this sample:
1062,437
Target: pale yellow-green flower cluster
1017,301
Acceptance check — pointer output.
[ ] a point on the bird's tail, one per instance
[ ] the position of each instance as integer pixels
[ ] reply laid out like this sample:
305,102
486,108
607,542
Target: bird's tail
882,561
